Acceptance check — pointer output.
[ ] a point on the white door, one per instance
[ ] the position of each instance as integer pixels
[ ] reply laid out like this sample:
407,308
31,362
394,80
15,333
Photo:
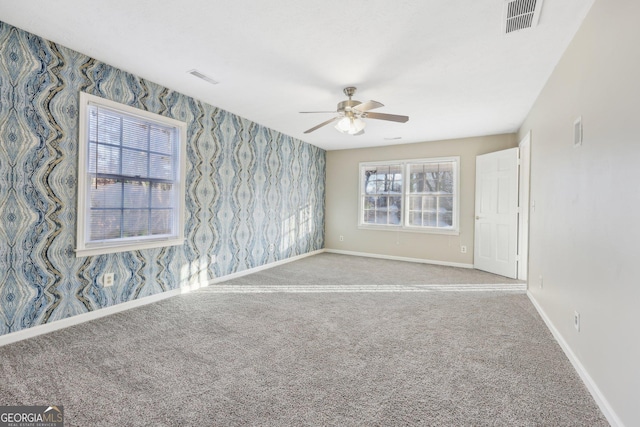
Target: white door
496,225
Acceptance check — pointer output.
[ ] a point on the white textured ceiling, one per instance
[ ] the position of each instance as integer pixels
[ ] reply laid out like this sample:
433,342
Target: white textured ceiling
444,63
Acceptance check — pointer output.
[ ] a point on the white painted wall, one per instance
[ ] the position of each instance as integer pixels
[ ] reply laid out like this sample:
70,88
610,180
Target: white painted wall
585,233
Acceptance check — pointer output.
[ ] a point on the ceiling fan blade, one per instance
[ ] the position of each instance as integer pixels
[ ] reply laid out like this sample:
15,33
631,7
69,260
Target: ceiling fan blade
322,124
369,105
390,117
307,112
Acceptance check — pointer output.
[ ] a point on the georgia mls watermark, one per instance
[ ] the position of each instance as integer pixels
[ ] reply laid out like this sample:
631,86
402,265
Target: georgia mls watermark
31,416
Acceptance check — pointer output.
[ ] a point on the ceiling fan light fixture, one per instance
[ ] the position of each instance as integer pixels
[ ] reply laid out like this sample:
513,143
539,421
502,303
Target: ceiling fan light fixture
350,125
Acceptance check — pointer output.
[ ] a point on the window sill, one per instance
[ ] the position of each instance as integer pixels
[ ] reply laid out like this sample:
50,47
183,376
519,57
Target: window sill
134,246
447,231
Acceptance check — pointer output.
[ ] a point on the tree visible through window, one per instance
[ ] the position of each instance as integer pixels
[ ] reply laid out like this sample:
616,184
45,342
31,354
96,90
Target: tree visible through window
430,194
413,194
131,178
383,190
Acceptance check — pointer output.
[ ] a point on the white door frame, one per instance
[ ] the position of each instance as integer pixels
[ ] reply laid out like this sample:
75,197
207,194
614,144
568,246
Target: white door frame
523,199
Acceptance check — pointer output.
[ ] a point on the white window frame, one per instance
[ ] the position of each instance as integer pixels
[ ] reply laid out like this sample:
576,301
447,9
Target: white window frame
404,222
85,247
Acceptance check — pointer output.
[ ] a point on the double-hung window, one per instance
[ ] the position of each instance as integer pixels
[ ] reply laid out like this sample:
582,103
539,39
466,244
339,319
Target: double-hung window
131,178
410,195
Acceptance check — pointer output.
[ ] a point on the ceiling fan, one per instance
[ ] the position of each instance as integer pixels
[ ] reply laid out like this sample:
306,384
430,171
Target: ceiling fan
351,114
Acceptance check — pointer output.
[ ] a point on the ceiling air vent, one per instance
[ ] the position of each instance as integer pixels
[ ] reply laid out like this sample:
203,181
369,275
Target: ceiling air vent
204,77
521,14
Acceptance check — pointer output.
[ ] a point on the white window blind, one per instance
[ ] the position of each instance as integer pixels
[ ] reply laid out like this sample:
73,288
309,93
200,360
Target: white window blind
130,165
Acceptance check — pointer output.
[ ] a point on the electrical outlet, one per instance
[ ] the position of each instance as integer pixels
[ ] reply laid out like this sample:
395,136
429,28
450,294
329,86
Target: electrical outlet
540,282
108,279
576,320
463,249
272,247
342,238
213,259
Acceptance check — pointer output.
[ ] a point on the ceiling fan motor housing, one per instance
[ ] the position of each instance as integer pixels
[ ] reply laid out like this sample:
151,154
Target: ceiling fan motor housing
347,105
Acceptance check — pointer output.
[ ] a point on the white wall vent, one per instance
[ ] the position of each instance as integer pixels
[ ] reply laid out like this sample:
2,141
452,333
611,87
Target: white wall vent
520,15
204,77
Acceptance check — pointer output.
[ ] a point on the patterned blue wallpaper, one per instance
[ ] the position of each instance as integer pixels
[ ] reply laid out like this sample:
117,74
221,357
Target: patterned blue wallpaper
247,187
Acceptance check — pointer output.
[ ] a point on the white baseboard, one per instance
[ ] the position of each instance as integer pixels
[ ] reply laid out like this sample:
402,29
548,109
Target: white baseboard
107,311
399,258
601,401
34,331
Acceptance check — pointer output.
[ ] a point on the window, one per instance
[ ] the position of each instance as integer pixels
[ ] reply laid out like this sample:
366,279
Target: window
410,195
130,178
382,204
